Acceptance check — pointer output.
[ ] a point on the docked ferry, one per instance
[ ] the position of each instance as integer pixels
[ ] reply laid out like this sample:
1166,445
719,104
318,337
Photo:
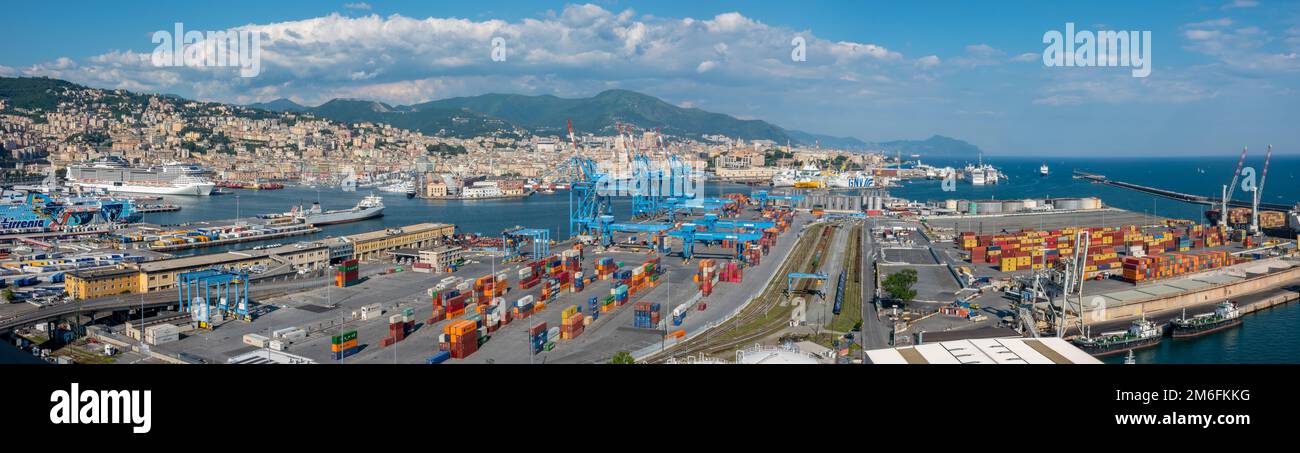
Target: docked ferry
1141,334
368,208
113,174
1225,315
38,212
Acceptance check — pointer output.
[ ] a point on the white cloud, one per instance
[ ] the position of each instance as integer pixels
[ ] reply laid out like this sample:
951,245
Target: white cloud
928,61
1027,57
358,5
575,51
1241,4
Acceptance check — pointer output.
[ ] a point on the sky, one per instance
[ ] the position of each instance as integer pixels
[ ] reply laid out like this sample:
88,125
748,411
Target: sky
1224,73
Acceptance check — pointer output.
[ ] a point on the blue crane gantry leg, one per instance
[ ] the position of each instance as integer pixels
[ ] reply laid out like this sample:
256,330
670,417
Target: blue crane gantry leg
199,287
512,240
587,199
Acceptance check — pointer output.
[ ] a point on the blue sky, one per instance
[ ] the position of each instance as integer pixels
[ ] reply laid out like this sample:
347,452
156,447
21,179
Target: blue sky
1225,73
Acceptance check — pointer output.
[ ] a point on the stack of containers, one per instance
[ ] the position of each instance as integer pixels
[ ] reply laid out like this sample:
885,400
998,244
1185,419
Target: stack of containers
453,302
571,261
593,307
398,327
554,265
439,312
638,280
578,282
537,336
551,288
346,274
1155,267
605,267
571,323
620,295
529,276
460,338
343,345
645,315
731,273
707,276
523,307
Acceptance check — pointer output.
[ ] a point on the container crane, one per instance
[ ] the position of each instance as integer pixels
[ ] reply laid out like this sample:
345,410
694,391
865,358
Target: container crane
1254,209
1229,189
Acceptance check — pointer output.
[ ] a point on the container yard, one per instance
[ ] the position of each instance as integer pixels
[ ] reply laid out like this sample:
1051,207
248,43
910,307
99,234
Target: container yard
580,303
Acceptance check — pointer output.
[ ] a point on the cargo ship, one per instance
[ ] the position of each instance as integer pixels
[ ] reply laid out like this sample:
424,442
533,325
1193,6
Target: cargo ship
1141,334
368,208
38,212
114,174
1226,315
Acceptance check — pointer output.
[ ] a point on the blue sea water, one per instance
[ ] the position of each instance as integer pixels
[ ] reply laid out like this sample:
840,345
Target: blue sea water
1271,336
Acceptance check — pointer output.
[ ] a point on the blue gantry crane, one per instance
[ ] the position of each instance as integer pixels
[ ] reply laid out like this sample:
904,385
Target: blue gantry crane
763,197
195,291
512,242
690,235
608,226
817,277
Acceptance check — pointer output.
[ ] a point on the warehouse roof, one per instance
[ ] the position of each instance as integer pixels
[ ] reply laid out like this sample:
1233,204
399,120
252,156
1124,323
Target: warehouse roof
417,228
102,273
1043,351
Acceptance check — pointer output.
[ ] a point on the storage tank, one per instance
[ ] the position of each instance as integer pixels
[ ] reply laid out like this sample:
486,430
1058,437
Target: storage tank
950,205
1067,203
972,208
1091,203
989,207
1030,203
1013,206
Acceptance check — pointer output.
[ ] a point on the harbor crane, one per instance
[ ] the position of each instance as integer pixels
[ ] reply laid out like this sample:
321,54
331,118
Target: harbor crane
1258,190
1229,189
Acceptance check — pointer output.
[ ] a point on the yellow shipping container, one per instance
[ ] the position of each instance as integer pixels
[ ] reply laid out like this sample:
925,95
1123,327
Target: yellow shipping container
1008,265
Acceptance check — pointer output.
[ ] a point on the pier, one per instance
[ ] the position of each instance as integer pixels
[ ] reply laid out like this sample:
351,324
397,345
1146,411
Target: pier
1184,197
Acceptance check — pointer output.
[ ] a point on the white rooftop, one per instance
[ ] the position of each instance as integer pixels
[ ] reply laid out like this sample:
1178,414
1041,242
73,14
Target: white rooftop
1002,351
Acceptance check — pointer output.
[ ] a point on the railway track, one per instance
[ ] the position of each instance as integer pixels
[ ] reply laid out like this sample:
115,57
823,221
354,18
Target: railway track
718,338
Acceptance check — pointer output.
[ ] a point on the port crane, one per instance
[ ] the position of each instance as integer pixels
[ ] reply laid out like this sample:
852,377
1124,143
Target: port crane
1256,193
817,278
1229,189
512,242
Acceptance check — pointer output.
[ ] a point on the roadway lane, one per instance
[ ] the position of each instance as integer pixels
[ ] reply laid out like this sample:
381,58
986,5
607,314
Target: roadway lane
875,333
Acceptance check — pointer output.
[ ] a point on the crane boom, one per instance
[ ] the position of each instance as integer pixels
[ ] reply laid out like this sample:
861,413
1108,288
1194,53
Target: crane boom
1236,175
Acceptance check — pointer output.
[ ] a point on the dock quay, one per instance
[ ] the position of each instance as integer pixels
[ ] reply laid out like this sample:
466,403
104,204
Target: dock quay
235,240
148,208
1189,198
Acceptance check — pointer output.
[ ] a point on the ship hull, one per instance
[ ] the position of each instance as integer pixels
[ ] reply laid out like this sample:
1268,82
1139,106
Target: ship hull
336,218
1183,332
199,190
1108,349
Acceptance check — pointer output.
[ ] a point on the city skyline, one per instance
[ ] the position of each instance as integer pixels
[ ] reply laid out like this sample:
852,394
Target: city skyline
1222,72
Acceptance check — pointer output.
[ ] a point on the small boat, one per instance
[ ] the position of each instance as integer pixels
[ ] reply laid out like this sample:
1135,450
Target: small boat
1225,315
1141,334
1042,170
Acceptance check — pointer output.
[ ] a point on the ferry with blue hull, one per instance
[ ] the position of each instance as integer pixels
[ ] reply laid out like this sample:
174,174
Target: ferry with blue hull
38,212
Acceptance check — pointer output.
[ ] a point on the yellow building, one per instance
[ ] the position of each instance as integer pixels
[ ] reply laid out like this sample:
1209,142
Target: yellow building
372,245
101,282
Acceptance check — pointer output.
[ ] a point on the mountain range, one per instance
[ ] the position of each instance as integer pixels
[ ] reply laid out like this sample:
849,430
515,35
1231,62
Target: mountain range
597,114
544,114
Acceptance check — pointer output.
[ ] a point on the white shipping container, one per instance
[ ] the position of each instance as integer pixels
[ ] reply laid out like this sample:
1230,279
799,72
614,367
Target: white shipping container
256,340
553,333
524,300
525,273
275,345
295,335
280,333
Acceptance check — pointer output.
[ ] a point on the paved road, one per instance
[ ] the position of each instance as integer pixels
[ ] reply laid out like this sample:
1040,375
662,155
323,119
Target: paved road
875,334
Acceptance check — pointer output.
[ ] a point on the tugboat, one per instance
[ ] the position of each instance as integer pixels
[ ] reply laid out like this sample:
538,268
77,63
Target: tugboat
1226,315
1142,334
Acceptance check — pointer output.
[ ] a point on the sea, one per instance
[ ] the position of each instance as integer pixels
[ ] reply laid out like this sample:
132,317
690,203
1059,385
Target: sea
1268,336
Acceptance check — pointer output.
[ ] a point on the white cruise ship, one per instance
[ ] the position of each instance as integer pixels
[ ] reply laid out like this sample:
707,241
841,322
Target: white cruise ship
851,180
113,174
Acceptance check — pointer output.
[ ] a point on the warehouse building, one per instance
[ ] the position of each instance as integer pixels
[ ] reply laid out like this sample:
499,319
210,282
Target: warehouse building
374,244
89,284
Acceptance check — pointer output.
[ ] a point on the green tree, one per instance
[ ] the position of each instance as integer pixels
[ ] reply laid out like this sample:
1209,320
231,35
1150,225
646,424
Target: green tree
899,285
8,295
622,358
